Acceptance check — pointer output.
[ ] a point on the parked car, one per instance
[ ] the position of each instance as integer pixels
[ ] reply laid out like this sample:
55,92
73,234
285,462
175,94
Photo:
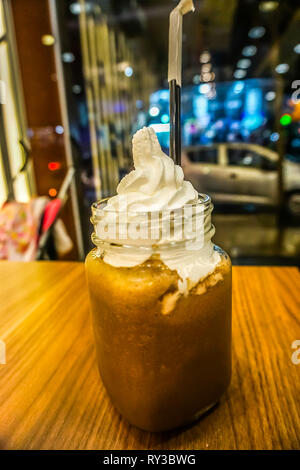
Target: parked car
240,173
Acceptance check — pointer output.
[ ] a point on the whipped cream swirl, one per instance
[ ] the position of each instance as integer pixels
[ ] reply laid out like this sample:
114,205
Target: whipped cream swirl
156,183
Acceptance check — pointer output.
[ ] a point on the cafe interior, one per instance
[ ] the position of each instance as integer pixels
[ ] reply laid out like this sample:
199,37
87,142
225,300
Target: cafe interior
79,78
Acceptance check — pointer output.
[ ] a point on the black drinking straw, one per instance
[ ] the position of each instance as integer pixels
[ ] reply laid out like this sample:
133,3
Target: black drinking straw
175,121
174,75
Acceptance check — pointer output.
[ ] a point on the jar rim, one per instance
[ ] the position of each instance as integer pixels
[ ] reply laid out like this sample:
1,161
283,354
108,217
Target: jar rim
99,206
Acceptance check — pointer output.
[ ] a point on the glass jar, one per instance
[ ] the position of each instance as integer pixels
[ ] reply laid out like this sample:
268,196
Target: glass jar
162,320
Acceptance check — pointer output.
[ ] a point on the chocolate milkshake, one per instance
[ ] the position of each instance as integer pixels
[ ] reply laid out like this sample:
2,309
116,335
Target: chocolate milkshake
160,295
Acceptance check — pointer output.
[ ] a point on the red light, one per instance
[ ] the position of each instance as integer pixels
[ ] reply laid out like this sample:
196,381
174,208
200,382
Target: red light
52,192
53,166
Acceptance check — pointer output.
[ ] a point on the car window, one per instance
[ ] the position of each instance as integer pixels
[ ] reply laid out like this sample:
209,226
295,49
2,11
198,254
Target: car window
203,155
293,158
251,159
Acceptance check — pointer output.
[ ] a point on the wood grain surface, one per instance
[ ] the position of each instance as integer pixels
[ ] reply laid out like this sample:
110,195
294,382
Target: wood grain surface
51,396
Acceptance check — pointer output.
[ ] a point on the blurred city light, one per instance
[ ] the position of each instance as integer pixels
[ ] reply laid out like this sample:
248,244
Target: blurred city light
52,192
205,57
270,95
165,118
164,94
285,119
128,71
282,68
208,77
241,104
68,57
244,63
59,130
274,137
239,73
253,115
76,89
54,166
154,111
257,32
48,40
238,87
76,8
267,6
210,134
206,68
297,48
249,51
204,88
200,109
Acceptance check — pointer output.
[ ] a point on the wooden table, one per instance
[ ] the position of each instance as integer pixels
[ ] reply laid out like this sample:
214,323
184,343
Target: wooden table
51,396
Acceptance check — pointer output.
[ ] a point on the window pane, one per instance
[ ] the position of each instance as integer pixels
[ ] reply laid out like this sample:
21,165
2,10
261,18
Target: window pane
2,24
3,188
16,157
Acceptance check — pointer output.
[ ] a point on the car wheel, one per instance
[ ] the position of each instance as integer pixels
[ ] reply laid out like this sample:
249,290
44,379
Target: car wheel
293,203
